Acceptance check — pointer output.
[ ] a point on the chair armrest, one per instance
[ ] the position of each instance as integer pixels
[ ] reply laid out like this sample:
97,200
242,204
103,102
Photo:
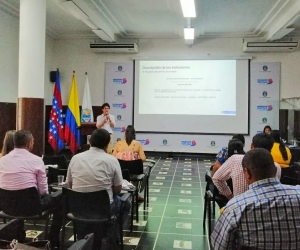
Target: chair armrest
137,178
208,177
125,197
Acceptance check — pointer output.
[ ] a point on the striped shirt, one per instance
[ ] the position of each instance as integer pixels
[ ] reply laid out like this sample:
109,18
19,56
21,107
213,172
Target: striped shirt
232,169
267,216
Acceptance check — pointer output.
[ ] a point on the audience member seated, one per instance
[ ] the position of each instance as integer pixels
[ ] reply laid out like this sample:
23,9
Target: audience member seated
264,217
8,142
267,130
232,168
235,146
223,155
21,169
129,149
281,154
96,170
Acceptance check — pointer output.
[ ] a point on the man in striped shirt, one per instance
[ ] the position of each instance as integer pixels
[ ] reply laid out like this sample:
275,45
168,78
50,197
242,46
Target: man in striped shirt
267,216
232,169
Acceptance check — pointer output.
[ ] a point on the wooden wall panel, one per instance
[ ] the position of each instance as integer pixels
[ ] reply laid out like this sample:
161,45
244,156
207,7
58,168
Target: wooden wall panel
8,119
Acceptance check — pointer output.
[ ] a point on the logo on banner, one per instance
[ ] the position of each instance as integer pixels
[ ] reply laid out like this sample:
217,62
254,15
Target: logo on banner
265,68
265,108
259,132
165,142
264,119
86,115
120,68
188,143
119,117
118,139
264,93
119,92
119,129
213,143
144,142
119,105
265,81
120,80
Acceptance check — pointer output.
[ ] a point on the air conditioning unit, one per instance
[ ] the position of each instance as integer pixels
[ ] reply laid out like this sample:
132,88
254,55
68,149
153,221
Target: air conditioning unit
114,47
270,46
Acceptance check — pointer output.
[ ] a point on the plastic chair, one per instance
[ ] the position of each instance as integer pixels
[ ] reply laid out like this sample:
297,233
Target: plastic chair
211,196
24,204
84,244
89,208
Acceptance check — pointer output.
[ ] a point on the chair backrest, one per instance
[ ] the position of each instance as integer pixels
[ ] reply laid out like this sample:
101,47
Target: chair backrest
290,181
92,205
84,244
59,160
24,202
134,167
54,172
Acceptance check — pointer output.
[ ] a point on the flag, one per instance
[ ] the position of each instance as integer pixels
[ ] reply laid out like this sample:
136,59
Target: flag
56,125
86,110
72,133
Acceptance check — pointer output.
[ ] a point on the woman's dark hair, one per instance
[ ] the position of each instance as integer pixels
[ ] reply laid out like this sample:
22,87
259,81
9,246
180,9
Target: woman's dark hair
277,138
239,137
267,126
235,146
129,134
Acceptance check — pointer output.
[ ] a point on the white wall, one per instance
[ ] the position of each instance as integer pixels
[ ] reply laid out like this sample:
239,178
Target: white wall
9,57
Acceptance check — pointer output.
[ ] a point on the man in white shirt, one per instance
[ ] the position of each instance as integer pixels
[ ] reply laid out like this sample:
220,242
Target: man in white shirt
107,122
95,170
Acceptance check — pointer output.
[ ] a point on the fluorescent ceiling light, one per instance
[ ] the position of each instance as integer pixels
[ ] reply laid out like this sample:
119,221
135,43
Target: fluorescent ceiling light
189,33
188,8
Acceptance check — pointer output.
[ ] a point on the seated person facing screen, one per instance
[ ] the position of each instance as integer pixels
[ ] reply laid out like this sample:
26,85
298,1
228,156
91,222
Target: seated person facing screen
95,170
267,129
264,217
129,149
8,142
21,169
232,168
281,154
223,155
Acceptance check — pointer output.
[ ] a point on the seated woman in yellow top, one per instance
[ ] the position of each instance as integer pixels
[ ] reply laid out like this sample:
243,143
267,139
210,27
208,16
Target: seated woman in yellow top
129,149
281,154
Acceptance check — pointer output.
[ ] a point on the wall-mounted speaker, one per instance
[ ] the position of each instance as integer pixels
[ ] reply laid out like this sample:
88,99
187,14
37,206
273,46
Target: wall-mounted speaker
52,76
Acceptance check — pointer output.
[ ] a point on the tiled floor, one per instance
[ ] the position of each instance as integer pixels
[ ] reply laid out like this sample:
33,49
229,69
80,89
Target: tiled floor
174,217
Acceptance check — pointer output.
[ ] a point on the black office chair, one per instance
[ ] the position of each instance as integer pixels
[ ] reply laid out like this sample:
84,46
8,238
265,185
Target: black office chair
148,166
91,208
211,196
59,160
84,244
136,173
24,204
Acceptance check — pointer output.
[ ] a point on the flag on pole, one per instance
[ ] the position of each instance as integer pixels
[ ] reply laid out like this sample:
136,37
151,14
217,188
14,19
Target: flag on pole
72,133
56,125
86,110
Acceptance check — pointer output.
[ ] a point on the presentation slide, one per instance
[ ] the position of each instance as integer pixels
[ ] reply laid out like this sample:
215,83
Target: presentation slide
191,96
182,83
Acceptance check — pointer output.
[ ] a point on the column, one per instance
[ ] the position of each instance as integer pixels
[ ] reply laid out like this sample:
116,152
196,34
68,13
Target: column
30,105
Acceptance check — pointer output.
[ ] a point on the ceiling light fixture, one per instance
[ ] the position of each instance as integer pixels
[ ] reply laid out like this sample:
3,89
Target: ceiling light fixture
188,8
189,33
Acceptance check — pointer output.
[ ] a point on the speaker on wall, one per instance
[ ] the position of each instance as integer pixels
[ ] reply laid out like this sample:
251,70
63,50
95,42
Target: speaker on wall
52,76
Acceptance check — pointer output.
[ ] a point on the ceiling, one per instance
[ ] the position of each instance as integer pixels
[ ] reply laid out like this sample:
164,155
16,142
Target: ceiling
258,20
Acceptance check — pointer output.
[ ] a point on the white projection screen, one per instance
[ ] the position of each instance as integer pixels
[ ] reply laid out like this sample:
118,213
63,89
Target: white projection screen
192,96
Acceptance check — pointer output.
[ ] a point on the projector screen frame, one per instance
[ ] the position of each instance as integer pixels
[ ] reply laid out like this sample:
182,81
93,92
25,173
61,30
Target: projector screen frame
248,58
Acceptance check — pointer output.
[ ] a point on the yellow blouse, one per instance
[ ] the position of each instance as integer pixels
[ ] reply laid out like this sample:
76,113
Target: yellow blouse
277,157
135,146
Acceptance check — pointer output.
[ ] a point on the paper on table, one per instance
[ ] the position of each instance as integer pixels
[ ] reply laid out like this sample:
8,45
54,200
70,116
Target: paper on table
127,184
